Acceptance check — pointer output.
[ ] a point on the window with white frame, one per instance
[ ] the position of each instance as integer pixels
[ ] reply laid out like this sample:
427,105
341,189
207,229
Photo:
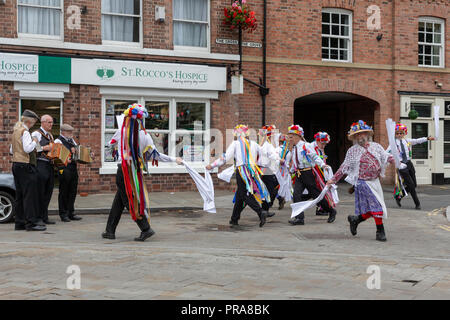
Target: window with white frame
336,35
121,20
431,42
191,23
40,17
178,126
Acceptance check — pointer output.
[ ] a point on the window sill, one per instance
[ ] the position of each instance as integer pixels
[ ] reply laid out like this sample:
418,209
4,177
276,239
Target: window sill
432,67
169,168
130,44
40,37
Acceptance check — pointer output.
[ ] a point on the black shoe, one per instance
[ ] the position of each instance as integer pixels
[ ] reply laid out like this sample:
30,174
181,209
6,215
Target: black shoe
281,203
233,222
40,223
108,235
354,221
65,219
320,212
398,201
297,221
380,236
36,228
75,218
332,216
262,218
49,221
145,235
269,214
19,227
418,207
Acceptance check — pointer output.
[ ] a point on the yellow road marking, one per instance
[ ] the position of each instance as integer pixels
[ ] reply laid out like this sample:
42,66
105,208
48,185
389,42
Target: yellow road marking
446,228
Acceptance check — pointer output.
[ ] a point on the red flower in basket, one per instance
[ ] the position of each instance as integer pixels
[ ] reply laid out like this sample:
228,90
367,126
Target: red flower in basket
240,15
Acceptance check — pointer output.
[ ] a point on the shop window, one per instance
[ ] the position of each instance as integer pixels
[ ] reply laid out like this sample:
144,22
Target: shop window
336,35
419,130
423,109
43,107
112,109
178,128
431,42
447,141
191,23
121,20
40,17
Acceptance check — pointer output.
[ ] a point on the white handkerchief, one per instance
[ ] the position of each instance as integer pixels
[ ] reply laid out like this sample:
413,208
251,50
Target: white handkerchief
204,186
301,206
226,174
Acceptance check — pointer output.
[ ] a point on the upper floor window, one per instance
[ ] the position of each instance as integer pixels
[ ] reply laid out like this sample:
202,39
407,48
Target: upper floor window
121,20
191,23
431,42
336,35
40,17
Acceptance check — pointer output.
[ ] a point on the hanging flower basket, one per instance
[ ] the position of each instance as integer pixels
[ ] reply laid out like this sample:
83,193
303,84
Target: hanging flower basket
413,114
240,14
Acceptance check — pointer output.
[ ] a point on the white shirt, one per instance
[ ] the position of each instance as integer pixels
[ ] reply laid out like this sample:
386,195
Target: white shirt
300,161
234,151
407,143
287,159
269,158
38,135
27,142
144,140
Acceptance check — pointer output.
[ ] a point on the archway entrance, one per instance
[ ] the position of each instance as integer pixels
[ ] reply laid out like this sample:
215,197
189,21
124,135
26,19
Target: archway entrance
333,112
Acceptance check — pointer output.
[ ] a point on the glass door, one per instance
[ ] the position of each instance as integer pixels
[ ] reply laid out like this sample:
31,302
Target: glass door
422,153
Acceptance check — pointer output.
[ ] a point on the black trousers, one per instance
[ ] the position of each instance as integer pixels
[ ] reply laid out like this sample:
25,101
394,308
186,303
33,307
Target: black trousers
27,201
120,202
46,183
271,183
409,177
242,196
68,184
307,181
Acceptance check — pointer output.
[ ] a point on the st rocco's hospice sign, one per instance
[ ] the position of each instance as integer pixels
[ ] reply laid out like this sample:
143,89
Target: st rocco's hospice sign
19,67
147,74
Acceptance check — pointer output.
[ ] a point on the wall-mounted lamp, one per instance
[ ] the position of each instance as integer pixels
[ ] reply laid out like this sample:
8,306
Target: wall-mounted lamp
438,84
83,10
160,13
379,37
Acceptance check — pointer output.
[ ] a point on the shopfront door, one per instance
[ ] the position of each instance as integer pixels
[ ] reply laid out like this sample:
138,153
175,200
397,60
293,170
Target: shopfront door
422,153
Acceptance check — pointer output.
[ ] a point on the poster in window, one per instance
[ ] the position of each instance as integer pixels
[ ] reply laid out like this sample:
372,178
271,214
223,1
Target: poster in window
109,122
109,109
193,153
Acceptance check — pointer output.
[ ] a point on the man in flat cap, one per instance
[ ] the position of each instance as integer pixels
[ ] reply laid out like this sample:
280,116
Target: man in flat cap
68,177
45,168
23,149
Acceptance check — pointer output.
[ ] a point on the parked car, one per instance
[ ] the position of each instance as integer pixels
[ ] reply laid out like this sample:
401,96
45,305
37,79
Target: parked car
7,195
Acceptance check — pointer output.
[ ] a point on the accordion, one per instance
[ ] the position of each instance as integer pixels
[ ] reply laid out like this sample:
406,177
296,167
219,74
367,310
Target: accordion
59,154
82,154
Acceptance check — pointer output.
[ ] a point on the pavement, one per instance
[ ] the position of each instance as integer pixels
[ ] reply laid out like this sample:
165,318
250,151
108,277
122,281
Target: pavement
196,255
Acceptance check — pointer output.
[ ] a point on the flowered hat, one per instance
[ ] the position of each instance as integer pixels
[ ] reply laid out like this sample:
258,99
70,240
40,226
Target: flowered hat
241,131
136,111
358,127
283,138
267,130
296,129
401,127
322,137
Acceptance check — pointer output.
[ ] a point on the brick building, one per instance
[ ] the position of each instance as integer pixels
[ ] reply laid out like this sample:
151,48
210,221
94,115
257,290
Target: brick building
327,64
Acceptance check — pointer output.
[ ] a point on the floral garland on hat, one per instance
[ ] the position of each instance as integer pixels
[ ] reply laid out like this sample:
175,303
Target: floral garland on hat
401,127
359,126
296,129
241,131
322,137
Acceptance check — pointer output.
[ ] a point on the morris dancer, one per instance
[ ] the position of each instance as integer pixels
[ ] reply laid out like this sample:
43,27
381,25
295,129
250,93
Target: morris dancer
136,147
408,174
268,161
364,163
250,188
304,158
283,175
321,139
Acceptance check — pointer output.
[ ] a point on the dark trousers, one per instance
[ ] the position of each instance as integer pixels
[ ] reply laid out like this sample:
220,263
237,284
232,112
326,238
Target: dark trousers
242,196
120,202
409,177
26,202
68,184
46,182
271,183
307,181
